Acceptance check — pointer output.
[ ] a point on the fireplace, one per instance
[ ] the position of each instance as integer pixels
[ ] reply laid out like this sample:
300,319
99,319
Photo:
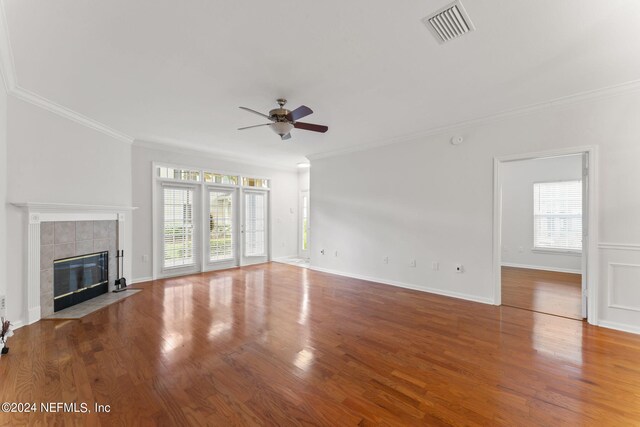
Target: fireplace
79,278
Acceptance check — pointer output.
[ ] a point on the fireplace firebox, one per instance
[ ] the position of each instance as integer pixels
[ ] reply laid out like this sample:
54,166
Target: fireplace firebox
79,279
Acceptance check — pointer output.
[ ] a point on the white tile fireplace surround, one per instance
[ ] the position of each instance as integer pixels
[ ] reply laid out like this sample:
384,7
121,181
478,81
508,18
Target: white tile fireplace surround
40,216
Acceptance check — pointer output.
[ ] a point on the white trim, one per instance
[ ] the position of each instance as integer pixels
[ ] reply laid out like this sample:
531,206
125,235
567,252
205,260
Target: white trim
542,268
57,207
7,65
610,286
591,257
619,246
197,150
17,325
141,280
68,113
286,258
580,97
426,289
553,251
619,326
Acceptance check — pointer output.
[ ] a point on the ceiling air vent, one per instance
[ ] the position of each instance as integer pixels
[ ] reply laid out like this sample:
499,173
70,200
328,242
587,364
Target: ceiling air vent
449,23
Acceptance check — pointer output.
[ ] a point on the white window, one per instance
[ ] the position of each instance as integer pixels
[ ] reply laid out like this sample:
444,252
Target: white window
217,178
220,226
255,182
178,238
255,224
178,174
557,215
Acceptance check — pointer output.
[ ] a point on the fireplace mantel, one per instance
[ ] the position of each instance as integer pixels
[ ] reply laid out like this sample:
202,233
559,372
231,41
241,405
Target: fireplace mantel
37,212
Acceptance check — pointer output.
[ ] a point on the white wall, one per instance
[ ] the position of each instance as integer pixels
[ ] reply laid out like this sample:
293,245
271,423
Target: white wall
517,211
53,159
3,192
284,196
429,200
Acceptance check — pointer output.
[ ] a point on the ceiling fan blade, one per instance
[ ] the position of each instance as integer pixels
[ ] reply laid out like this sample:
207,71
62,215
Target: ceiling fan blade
311,127
255,112
254,126
298,113
287,136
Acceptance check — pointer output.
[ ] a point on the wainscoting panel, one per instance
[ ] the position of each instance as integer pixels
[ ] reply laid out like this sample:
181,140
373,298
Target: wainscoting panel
624,286
619,288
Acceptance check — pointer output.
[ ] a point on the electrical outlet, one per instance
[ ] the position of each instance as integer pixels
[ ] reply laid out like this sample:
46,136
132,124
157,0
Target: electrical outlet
459,268
145,258
3,303
435,266
412,263
386,260
322,251
520,249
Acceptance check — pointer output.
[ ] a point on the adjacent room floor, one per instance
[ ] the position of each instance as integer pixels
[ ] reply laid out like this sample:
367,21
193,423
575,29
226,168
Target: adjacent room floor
548,292
274,344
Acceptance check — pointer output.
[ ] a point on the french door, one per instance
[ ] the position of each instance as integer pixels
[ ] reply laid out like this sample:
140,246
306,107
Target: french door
255,229
221,228
179,232
207,227
304,224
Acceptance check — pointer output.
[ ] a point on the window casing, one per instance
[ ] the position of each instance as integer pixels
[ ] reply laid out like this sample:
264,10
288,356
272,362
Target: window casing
557,216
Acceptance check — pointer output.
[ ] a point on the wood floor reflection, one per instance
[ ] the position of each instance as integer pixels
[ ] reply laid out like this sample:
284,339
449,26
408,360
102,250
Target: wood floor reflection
544,291
279,345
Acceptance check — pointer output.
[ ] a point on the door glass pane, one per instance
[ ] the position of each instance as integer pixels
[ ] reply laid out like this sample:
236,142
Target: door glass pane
220,226
178,236
305,222
255,224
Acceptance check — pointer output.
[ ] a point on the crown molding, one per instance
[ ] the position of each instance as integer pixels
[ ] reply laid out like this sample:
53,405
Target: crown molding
581,97
8,70
39,101
197,150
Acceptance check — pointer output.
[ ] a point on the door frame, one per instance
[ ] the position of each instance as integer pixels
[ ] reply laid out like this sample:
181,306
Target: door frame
304,253
590,261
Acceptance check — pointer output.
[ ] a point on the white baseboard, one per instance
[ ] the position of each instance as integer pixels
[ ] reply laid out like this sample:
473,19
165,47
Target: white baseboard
429,290
619,326
284,258
539,267
141,280
17,325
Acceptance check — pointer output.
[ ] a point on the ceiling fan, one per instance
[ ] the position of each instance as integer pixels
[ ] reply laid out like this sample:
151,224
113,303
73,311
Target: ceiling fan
283,120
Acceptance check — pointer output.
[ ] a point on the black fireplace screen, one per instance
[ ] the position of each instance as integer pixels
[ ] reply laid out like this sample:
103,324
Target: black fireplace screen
79,278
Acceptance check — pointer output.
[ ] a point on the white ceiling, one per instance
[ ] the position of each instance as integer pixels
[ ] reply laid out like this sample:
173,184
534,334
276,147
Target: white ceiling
176,71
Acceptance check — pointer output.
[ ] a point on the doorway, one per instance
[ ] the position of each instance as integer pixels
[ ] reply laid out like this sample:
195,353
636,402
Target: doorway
543,232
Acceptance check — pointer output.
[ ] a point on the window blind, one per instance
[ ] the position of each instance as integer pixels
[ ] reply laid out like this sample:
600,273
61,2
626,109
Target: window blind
178,236
254,235
557,215
220,226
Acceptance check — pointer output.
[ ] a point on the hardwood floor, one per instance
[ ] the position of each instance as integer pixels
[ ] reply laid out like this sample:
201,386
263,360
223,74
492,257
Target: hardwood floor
280,345
544,291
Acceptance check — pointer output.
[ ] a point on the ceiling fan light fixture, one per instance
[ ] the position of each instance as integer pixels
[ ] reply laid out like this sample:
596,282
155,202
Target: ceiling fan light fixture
281,128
